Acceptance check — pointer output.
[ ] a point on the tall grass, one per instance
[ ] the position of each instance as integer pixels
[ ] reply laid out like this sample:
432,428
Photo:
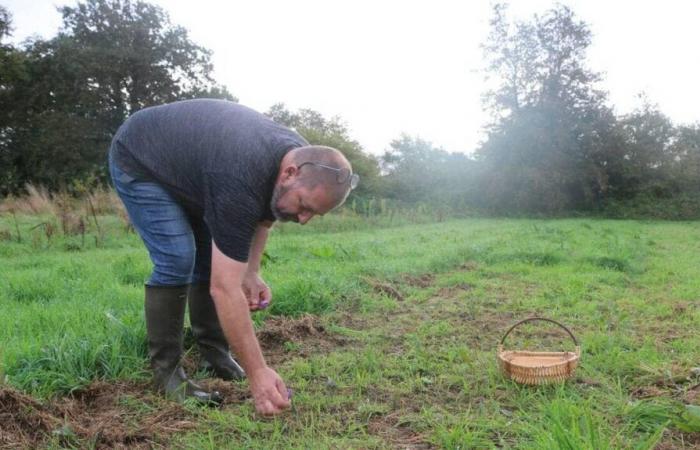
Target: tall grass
37,200
61,212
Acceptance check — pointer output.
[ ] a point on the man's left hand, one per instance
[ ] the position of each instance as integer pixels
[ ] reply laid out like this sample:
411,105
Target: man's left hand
256,291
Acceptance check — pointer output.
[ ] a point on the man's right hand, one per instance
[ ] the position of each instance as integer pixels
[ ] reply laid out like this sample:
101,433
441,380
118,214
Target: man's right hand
269,392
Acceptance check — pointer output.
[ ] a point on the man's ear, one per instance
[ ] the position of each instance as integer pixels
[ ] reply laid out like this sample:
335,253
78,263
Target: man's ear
289,172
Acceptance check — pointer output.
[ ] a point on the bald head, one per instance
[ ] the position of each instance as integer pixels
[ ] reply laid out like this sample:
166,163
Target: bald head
318,153
313,175
312,180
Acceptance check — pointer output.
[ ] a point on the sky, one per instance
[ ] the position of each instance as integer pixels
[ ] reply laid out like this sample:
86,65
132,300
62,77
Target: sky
390,67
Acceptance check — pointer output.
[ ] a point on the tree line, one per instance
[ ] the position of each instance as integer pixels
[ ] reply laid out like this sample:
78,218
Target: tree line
553,145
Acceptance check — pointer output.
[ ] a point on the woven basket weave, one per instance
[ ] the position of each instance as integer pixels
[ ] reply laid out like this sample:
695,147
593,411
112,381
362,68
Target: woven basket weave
528,367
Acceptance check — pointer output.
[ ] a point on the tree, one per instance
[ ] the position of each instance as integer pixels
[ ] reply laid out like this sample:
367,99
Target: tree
415,170
544,142
109,59
5,22
12,72
685,160
318,130
646,163
133,57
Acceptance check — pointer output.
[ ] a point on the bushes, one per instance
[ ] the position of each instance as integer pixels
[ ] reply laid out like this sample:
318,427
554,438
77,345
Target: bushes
647,206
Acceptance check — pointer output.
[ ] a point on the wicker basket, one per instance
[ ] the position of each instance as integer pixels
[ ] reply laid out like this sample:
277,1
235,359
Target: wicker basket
528,367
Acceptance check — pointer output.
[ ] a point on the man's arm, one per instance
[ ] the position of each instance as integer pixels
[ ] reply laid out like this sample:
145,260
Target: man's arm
268,389
255,289
257,247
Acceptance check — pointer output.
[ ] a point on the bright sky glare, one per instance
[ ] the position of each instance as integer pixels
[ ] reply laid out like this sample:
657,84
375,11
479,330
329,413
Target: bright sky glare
388,67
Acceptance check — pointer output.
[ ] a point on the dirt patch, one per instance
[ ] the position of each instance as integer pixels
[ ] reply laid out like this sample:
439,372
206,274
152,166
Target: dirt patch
692,397
388,290
282,338
676,440
122,415
385,288
682,308
647,392
456,290
233,393
391,431
421,281
279,330
24,420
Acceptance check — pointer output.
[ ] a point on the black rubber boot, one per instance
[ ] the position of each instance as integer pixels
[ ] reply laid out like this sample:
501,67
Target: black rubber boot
165,315
210,338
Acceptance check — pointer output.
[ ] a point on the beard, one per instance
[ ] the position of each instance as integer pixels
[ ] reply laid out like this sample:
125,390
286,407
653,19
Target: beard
277,193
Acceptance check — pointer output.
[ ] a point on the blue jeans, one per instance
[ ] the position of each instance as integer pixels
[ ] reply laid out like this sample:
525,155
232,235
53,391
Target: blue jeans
178,244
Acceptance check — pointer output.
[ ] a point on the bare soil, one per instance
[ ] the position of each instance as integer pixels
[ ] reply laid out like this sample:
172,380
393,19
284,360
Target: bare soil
101,414
283,338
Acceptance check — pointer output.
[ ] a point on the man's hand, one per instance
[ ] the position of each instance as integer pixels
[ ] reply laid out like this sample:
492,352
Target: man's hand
227,279
256,291
269,392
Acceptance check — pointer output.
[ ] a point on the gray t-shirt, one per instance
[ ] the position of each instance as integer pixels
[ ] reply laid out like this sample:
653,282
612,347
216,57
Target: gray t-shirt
219,159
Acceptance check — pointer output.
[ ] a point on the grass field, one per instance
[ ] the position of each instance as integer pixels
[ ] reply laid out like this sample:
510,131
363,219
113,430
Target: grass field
387,334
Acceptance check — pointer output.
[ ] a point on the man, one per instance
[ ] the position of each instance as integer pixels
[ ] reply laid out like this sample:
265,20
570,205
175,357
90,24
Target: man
202,182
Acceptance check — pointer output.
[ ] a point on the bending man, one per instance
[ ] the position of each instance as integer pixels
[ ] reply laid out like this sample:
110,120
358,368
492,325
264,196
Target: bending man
202,182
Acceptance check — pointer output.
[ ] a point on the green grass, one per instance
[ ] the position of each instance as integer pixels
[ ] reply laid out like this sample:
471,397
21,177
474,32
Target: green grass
420,371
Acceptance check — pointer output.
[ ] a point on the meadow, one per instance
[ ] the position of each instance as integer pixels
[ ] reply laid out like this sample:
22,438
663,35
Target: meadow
385,327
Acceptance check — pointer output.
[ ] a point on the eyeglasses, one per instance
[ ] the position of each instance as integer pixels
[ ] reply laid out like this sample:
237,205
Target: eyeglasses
344,175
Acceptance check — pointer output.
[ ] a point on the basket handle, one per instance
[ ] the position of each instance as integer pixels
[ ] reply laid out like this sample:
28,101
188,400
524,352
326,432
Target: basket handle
530,319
